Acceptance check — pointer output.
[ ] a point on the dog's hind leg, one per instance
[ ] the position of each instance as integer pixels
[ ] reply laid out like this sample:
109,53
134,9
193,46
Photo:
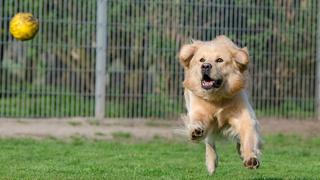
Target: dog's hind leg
211,154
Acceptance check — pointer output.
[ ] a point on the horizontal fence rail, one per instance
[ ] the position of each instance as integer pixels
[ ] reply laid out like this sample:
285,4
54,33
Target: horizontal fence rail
54,74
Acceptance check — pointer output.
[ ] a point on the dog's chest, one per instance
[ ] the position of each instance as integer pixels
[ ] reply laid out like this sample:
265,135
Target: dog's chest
219,120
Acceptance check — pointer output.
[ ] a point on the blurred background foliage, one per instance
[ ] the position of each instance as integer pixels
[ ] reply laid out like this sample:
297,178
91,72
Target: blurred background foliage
56,70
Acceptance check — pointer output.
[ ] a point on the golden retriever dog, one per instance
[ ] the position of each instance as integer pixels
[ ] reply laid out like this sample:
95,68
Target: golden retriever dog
214,90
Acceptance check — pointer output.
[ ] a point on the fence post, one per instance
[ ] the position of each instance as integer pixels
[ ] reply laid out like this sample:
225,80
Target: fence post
318,64
101,57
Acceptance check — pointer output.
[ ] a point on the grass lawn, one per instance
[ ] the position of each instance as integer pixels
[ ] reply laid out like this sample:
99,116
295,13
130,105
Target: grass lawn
288,157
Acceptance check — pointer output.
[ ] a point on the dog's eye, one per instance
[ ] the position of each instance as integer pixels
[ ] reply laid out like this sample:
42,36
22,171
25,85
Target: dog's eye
219,60
202,60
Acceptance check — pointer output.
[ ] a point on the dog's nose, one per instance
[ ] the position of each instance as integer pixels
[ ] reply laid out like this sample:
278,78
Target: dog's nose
206,66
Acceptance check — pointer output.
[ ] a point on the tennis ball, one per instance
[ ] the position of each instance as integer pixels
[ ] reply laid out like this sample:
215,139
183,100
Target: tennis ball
23,26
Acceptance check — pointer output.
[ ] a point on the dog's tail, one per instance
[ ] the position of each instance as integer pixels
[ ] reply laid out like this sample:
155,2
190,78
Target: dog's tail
183,129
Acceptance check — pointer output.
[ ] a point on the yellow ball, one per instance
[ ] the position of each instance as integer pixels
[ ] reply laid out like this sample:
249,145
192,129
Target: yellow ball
23,26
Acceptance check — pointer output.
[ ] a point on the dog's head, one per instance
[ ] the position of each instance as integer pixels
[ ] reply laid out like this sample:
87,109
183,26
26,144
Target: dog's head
214,69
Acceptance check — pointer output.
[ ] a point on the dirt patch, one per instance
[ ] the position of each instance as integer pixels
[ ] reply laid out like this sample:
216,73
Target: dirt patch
287,126
138,128
104,129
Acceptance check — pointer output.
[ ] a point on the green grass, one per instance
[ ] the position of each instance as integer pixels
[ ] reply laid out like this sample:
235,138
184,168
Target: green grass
94,122
288,108
46,106
74,123
288,157
76,105
120,135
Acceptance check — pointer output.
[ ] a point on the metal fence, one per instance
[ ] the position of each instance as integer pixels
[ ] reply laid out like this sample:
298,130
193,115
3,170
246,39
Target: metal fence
54,74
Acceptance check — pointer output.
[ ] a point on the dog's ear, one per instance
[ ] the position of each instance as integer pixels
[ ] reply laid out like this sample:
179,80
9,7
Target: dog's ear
242,58
186,53
241,55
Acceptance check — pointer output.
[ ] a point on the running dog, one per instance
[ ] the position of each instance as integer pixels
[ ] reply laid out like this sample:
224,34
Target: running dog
214,89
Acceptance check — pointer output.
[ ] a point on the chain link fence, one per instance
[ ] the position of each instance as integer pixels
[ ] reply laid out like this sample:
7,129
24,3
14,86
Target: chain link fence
53,75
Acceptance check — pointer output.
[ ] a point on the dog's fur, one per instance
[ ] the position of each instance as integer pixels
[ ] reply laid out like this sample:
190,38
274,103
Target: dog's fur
224,108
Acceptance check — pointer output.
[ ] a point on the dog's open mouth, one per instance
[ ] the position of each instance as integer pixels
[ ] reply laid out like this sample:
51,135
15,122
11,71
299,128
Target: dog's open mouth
208,83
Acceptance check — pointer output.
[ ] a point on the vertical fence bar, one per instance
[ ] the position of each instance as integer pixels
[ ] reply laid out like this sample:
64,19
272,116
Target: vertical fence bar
318,65
101,58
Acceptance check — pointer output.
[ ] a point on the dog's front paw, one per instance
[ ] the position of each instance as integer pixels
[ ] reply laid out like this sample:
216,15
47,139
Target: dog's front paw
197,134
252,163
211,166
